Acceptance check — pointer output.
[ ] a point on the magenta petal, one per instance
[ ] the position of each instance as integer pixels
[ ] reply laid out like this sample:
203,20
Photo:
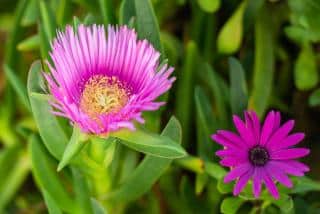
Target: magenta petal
279,175
298,165
231,161
256,125
290,140
281,133
287,167
243,180
237,172
271,186
257,182
244,132
267,128
232,153
277,120
220,139
234,138
289,153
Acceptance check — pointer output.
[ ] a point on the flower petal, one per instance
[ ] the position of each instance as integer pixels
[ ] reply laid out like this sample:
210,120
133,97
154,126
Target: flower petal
236,172
256,125
243,180
245,132
280,133
288,167
279,175
267,128
232,161
257,181
290,140
272,188
289,154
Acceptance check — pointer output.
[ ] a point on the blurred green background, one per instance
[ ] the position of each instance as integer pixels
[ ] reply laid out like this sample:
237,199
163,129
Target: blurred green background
228,55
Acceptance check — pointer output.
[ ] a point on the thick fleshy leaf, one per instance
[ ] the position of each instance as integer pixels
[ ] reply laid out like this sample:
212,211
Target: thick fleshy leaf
209,6
214,170
52,206
152,144
147,24
82,192
46,177
305,71
149,170
230,36
73,148
17,85
50,130
231,205
263,63
238,87
127,11
30,43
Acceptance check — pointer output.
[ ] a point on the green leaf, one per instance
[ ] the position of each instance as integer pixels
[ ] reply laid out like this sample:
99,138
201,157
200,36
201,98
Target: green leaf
216,84
50,130
285,203
149,170
238,87
52,206
31,14
206,123
148,143
46,177
191,163
224,188
13,175
11,53
209,6
231,205
230,35
107,11
17,85
147,25
305,184
214,170
185,85
73,148
97,207
82,192
30,43
263,63
47,19
127,11
314,99
305,71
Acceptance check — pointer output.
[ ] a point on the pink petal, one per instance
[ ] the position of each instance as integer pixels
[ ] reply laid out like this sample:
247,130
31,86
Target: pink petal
290,140
231,161
281,133
257,182
244,132
289,153
256,125
277,120
224,141
279,175
232,153
271,186
298,165
287,167
243,180
237,172
267,128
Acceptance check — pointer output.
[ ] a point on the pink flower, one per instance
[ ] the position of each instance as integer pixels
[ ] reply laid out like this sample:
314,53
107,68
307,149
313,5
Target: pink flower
103,83
264,154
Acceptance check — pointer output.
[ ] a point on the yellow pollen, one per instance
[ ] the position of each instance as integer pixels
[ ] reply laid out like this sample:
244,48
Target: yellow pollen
103,95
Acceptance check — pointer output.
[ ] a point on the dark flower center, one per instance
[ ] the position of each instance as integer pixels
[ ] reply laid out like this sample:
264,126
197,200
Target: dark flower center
258,156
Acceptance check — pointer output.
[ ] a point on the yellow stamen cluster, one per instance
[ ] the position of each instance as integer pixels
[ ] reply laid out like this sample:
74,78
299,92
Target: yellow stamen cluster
103,95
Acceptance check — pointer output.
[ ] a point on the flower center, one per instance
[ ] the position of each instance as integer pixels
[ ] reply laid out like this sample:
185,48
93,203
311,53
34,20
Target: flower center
258,156
103,95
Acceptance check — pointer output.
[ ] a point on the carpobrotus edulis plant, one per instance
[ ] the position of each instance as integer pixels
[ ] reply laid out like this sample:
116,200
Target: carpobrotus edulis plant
265,154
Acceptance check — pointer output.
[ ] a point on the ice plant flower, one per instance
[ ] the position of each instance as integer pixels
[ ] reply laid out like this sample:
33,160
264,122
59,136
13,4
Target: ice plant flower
263,153
102,81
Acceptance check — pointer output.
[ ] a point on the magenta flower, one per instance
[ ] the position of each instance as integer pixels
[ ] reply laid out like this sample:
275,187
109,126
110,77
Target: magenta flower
103,83
264,154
